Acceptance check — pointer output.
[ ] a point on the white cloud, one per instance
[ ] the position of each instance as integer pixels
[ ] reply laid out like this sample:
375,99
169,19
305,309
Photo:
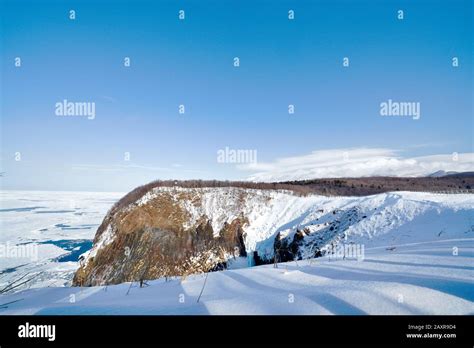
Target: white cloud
356,162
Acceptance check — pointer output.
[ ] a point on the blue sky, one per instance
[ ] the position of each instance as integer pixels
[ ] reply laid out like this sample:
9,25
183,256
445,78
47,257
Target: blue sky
190,62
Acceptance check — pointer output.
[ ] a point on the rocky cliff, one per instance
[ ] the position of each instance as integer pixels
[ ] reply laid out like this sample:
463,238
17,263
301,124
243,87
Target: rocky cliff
169,231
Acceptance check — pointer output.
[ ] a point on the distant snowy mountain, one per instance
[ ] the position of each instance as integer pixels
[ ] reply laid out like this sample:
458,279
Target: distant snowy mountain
441,173
356,163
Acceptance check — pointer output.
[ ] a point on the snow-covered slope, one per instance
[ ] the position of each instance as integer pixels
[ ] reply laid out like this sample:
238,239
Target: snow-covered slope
417,278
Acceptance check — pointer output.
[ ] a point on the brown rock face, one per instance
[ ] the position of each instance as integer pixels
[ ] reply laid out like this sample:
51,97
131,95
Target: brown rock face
156,239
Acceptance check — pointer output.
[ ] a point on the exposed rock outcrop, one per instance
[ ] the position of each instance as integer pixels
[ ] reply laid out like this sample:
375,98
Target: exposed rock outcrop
165,233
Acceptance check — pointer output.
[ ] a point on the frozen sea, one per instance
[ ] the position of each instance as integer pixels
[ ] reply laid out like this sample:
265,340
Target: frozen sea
42,233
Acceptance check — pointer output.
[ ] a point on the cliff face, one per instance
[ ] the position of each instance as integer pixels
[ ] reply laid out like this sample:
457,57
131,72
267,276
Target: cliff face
170,232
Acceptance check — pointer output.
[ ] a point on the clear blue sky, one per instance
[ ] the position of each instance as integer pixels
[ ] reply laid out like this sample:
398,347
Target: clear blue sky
190,62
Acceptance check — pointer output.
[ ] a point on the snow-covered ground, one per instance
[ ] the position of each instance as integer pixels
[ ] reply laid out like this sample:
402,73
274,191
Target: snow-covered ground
419,278
418,258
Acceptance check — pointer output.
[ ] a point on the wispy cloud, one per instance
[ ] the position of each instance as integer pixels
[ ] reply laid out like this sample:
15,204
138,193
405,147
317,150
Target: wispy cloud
356,162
